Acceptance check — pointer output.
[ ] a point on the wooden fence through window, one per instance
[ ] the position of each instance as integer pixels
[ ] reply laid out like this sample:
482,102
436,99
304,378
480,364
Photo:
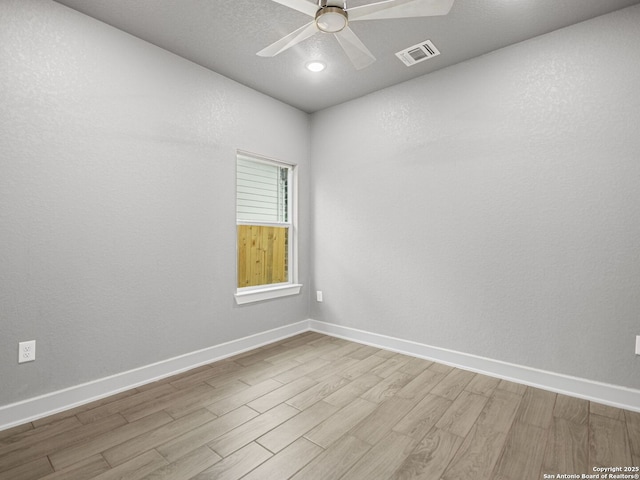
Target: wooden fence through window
262,255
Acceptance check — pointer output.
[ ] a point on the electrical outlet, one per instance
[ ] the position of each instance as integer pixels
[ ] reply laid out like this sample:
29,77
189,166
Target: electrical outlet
26,351
319,295
637,344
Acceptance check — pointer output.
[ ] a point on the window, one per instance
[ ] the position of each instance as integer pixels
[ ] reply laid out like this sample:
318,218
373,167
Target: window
266,238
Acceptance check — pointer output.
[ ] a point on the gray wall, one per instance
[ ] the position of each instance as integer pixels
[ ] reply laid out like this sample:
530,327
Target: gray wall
117,207
492,208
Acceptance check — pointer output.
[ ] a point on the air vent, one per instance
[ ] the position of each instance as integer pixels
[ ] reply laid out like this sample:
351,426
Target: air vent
418,53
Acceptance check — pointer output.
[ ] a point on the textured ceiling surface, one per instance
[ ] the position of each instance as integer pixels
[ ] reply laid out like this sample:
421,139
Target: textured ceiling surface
224,36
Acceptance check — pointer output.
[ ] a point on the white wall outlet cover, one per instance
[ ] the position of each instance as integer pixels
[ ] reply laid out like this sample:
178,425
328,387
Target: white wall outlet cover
26,351
637,344
319,295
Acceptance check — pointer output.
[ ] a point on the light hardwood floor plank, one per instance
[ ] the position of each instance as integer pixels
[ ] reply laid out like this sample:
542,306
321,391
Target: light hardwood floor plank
384,458
260,354
110,408
441,368
633,430
281,394
89,467
221,392
334,462
567,448
203,434
317,392
512,387
69,456
301,370
135,468
66,439
292,429
189,396
253,429
606,411
340,422
452,384
462,414
186,467
33,470
14,431
335,367
363,352
422,383
391,365
352,390
388,387
308,336
477,456
481,448
343,351
147,441
23,439
500,411
222,379
430,457
237,464
223,367
415,366
381,421
316,407
320,351
536,407
572,409
385,353
523,453
174,378
244,396
288,355
365,365
608,442
421,419
73,412
287,462
482,385
265,371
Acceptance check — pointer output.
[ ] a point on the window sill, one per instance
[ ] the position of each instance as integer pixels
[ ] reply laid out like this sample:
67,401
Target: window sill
257,295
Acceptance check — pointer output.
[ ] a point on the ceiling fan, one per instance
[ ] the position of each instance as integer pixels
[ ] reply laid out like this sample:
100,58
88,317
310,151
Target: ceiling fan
333,16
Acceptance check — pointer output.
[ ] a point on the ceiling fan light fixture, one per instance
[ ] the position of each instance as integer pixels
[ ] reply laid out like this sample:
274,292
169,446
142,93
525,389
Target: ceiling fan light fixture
331,19
315,66
333,16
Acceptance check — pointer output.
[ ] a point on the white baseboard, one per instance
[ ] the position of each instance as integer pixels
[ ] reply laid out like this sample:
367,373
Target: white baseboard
613,395
38,407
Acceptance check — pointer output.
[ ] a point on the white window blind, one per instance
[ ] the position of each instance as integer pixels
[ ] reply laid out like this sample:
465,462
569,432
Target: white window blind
261,191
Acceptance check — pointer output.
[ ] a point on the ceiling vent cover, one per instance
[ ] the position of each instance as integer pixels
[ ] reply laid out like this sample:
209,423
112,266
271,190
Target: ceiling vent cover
418,53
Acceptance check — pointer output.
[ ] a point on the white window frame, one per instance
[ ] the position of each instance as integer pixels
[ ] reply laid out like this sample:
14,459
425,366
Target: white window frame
259,293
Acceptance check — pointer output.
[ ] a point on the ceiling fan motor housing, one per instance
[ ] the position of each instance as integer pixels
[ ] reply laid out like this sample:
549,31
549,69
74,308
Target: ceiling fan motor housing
331,18
333,3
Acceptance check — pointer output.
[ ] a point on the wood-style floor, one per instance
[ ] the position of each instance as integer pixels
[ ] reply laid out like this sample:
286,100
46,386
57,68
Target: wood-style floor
316,407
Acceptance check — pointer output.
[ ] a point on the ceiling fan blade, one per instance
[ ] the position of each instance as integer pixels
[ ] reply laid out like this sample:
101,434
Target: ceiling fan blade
400,9
289,41
303,6
359,55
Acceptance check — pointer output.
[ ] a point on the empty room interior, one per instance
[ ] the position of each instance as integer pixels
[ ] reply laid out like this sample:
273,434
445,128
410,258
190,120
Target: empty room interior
422,262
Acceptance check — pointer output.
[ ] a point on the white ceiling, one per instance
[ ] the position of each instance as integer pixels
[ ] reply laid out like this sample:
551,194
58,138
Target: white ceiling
224,36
